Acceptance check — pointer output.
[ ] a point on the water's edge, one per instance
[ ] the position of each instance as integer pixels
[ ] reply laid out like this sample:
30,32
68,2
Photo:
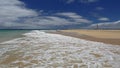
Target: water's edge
38,49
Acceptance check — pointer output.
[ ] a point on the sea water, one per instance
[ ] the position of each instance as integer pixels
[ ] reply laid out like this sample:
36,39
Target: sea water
6,35
38,49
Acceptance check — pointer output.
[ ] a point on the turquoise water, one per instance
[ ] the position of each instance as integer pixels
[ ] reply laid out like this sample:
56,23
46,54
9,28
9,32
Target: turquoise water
6,35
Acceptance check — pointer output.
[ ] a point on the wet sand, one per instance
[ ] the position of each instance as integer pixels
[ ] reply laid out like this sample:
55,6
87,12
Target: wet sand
43,50
105,36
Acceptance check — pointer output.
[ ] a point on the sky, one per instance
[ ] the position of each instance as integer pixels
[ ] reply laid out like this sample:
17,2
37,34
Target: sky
59,14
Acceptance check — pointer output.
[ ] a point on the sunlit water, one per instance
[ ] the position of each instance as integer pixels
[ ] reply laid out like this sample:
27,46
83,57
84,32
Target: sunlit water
43,50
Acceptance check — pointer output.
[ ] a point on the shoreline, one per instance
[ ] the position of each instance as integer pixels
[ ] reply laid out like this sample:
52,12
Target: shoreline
72,34
87,37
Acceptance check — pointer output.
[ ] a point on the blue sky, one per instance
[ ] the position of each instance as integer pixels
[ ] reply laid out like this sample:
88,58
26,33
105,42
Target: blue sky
59,14
103,8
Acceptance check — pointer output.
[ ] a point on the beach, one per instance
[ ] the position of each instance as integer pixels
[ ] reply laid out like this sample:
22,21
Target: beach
105,36
59,34
41,49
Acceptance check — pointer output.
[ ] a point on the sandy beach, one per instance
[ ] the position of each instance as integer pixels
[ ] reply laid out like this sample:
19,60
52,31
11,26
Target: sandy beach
39,49
105,36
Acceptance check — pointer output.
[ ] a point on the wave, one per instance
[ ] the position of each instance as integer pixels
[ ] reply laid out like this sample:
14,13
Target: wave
38,49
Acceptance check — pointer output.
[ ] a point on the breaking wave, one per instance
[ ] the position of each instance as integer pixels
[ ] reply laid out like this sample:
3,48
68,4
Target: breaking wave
38,49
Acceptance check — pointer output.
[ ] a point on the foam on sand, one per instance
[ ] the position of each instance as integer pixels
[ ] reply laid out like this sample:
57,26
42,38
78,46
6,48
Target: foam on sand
43,50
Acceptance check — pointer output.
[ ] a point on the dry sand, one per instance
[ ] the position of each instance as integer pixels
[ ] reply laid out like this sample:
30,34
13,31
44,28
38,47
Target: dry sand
105,36
110,34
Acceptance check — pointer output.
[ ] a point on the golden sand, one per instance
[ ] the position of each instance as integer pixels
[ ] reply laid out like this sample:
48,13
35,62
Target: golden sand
112,34
105,36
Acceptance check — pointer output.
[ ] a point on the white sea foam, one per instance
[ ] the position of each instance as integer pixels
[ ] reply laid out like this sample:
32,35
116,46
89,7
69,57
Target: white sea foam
43,50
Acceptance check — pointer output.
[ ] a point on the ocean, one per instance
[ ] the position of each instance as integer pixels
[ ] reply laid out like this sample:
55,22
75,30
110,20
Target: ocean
38,49
6,35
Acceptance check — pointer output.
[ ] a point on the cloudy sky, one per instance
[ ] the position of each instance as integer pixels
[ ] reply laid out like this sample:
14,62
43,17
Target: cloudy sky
59,14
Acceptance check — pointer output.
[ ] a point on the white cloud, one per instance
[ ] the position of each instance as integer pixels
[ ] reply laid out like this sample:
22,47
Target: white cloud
75,17
115,24
70,1
12,10
99,8
56,20
69,14
14,14
81,1
88,1
103,19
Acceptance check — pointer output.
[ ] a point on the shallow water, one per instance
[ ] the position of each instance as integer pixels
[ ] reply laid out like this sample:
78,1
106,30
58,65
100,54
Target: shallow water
44,50
6,35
